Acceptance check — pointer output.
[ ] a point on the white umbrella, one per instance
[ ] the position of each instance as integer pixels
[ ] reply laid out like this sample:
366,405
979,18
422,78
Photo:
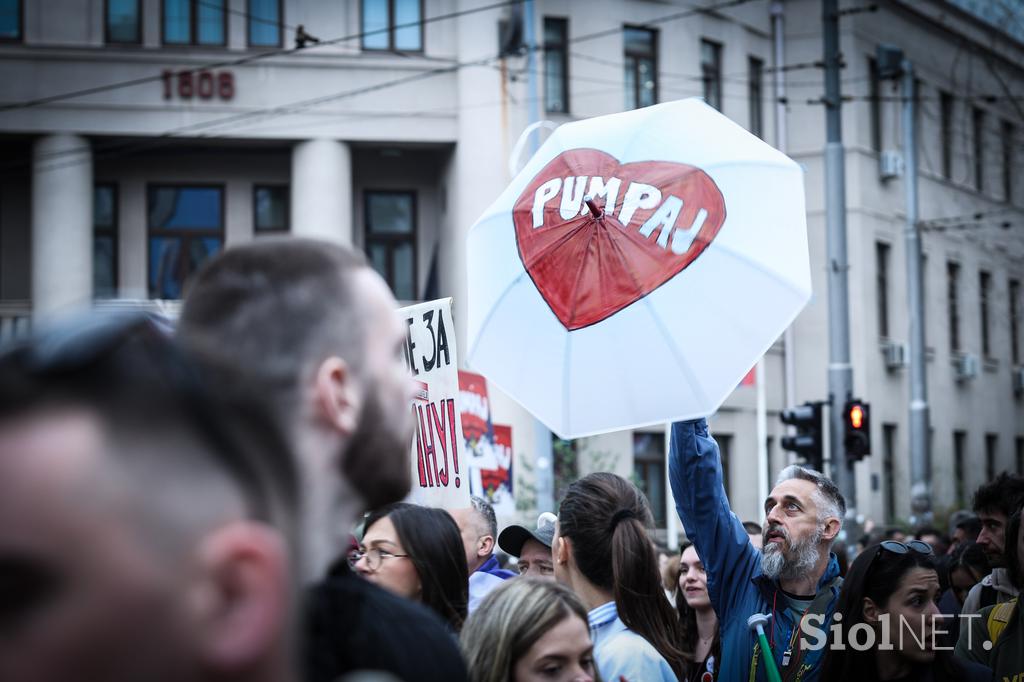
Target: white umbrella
653,308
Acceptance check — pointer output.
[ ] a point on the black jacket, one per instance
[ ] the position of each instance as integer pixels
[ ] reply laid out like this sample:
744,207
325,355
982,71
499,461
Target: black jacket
351,624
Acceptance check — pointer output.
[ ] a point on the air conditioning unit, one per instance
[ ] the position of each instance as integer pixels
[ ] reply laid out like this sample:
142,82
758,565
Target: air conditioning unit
1018,381
890,165
966,366
897,355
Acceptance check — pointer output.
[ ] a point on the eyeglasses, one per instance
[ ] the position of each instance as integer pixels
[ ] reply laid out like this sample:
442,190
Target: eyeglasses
374,557
897,547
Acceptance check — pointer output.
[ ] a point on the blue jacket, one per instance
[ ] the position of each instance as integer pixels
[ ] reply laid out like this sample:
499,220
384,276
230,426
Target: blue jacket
736,585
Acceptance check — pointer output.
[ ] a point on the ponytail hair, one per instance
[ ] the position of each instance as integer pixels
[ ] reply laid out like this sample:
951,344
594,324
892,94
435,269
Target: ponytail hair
606,517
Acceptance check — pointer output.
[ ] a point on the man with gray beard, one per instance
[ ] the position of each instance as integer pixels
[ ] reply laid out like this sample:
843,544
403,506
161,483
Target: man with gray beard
795,578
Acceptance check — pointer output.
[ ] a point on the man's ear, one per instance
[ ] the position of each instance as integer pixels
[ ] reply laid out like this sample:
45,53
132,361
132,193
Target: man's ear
562,550
870,611
338,394
831,530
242,600
485,546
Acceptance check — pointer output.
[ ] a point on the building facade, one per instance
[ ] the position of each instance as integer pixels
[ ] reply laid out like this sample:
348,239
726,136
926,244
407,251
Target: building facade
141,136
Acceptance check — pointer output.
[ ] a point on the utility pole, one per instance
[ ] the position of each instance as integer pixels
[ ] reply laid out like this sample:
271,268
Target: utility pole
778,13
921,496
840,373
545,460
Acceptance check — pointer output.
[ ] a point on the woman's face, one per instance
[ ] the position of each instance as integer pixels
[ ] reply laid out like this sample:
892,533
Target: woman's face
693,581
961,580
395,572
562,654
913,612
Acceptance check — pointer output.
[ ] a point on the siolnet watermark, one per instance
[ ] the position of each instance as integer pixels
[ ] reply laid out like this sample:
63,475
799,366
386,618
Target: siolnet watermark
865,636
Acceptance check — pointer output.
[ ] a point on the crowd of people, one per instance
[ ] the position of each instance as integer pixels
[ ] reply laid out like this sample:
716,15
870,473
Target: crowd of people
222,499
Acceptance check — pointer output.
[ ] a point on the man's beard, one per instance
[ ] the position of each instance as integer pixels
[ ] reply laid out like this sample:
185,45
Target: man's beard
798,561
376,458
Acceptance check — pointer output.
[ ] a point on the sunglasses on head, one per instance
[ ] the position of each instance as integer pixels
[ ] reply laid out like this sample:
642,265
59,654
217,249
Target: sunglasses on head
901,548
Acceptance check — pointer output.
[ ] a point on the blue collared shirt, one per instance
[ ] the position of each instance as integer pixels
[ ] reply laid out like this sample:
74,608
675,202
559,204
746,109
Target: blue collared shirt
620,651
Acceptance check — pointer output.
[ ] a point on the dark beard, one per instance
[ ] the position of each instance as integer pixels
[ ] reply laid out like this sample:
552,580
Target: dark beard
376,460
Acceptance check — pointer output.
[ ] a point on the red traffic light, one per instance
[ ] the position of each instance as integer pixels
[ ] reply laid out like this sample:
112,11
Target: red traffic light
856,416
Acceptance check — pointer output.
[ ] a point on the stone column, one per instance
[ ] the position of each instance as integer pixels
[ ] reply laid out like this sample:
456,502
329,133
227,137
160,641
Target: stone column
62,188
321,201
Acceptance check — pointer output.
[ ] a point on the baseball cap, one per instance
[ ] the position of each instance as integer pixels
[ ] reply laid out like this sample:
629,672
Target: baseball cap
512,539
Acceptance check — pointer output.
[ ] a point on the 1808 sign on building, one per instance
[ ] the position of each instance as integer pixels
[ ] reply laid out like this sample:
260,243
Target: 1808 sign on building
202,85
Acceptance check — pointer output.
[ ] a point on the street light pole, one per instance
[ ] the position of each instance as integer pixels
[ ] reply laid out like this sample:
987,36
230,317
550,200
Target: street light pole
840,373
921,500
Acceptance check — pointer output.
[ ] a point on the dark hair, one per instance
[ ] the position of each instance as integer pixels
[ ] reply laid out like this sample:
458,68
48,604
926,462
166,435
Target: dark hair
274,308
971,557
1003,494
606,518
877,574
432,540
1013,567
971,526
688,620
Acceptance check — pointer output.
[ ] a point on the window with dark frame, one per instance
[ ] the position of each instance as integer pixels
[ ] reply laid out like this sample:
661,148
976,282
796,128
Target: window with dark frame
124,22
1014,296
946,132
953,304
1009,131
959,468
724,441
194,22
711,72
889,469
946,104
984,293
12,20
755,94
264,23
875,102
641,66
104,241
556,65
270,208
978,137
649,470
392,25
390,239
991,455
185,225
882,251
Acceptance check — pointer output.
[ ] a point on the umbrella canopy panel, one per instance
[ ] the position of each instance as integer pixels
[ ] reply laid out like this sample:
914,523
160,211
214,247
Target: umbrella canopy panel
655,308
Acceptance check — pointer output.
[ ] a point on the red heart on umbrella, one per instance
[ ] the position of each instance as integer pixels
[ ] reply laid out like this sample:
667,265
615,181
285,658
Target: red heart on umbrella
657,218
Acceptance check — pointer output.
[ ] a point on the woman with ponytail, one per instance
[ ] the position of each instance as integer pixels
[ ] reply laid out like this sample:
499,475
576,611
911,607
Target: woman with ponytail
602,551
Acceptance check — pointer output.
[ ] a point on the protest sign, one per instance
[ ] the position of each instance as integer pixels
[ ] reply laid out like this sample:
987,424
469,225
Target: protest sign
488,445
439,475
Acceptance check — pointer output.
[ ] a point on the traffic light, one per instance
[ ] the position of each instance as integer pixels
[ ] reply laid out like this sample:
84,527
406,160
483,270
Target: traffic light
809,437
857,430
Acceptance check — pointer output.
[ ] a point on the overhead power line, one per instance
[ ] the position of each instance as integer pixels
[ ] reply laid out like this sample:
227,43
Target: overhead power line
248,59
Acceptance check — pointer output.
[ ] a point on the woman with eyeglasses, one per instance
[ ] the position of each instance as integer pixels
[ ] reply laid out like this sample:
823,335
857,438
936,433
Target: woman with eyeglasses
416,552
602,552
886,621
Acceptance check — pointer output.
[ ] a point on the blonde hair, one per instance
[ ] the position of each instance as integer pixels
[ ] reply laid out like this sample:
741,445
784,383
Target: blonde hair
510,620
